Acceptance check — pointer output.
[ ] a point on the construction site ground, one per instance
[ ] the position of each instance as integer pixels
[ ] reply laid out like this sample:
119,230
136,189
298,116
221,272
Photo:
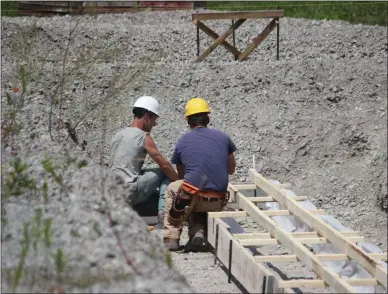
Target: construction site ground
316,118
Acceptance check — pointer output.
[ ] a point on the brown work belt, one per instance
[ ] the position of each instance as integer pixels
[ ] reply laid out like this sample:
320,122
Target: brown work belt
204,194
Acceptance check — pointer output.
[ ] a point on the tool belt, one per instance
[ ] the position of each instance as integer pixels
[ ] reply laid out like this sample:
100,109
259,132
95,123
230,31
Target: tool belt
186,198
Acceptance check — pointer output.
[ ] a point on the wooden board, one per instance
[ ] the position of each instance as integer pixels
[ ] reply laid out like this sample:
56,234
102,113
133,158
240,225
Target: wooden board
238,15
286,239
243,266
325,230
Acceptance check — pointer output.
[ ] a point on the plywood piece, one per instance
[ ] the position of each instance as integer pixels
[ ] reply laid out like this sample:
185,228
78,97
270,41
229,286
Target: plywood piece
324,229
243,266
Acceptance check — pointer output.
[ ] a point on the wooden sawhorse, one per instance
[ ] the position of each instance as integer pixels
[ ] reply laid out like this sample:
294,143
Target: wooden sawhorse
241,17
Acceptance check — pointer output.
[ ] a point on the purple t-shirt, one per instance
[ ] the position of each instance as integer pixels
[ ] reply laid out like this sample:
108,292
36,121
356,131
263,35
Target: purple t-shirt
205,151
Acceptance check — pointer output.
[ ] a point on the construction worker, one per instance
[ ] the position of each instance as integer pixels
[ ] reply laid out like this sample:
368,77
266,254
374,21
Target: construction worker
128,151
204,158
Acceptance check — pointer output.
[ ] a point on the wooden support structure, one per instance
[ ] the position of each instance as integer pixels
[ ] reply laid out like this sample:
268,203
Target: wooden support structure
231,248
241,16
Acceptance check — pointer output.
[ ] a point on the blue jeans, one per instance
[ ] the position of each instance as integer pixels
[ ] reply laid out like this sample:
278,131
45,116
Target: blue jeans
150,183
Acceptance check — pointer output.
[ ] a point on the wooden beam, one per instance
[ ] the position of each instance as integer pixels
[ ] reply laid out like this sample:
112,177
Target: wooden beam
321,283
220,40
227,214
357,254
266,212
286,239
215,36
295,235
286,212
238,15
260,242
252,186
243,266
258,40
322,257
270,199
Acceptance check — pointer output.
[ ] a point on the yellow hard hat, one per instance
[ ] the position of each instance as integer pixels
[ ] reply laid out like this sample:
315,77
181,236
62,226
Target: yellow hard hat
196,105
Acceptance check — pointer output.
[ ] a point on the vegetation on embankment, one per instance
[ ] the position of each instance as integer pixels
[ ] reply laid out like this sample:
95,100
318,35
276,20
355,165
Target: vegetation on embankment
372,13
365,12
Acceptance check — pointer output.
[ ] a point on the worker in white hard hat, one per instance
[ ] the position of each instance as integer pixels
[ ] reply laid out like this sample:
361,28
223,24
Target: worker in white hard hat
129,149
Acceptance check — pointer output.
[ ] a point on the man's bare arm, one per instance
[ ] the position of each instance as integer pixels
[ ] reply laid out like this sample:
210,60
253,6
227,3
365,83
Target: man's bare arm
181,171
231,164
163,163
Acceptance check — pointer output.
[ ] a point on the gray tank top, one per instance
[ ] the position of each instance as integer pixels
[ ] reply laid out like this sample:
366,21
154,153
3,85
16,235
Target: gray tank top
127,153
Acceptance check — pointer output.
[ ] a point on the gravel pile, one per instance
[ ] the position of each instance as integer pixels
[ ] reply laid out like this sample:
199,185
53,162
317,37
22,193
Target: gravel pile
315,118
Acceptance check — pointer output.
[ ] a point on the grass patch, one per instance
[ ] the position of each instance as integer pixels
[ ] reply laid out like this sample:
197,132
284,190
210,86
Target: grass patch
371,13
9,8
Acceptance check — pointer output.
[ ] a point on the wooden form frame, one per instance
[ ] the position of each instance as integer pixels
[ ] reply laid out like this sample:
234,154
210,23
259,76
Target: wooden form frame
241,17
249,270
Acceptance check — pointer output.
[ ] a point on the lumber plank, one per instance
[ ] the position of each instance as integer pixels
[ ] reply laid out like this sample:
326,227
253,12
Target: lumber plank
260,242
215,36
299,249
267,212
227,214
284,212
321,284
357,254
270,199
294,234
258,40
238,15
252,186
243,266
220,40
322,257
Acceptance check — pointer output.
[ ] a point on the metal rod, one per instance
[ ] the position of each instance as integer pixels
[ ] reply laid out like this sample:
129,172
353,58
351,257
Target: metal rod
234,40
277,36
264,283
277,40
197,40
216,247
230,262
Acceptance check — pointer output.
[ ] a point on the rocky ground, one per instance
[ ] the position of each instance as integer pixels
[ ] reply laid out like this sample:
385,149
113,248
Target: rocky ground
315,118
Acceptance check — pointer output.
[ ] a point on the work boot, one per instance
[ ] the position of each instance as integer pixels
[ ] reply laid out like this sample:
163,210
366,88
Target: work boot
171,244
196,244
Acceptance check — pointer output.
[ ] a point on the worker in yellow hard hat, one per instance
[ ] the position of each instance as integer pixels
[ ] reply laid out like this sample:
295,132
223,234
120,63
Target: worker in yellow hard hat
204,158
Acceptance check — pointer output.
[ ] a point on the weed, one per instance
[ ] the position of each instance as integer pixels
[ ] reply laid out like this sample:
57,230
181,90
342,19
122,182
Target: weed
18,181
168,257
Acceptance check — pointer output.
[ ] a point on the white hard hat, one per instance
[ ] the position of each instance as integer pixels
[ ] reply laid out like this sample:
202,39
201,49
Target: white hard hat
149,103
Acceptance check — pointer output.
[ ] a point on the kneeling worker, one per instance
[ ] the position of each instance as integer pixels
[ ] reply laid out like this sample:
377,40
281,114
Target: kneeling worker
204,159
129,149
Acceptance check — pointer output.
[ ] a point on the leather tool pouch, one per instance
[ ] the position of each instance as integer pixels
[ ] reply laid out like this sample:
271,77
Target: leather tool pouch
180,200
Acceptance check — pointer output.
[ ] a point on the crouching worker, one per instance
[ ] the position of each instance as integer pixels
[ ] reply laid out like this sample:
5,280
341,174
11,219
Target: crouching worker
204,159
129,149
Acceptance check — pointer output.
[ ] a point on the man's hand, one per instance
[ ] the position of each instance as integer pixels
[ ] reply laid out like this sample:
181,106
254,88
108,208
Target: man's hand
163,163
